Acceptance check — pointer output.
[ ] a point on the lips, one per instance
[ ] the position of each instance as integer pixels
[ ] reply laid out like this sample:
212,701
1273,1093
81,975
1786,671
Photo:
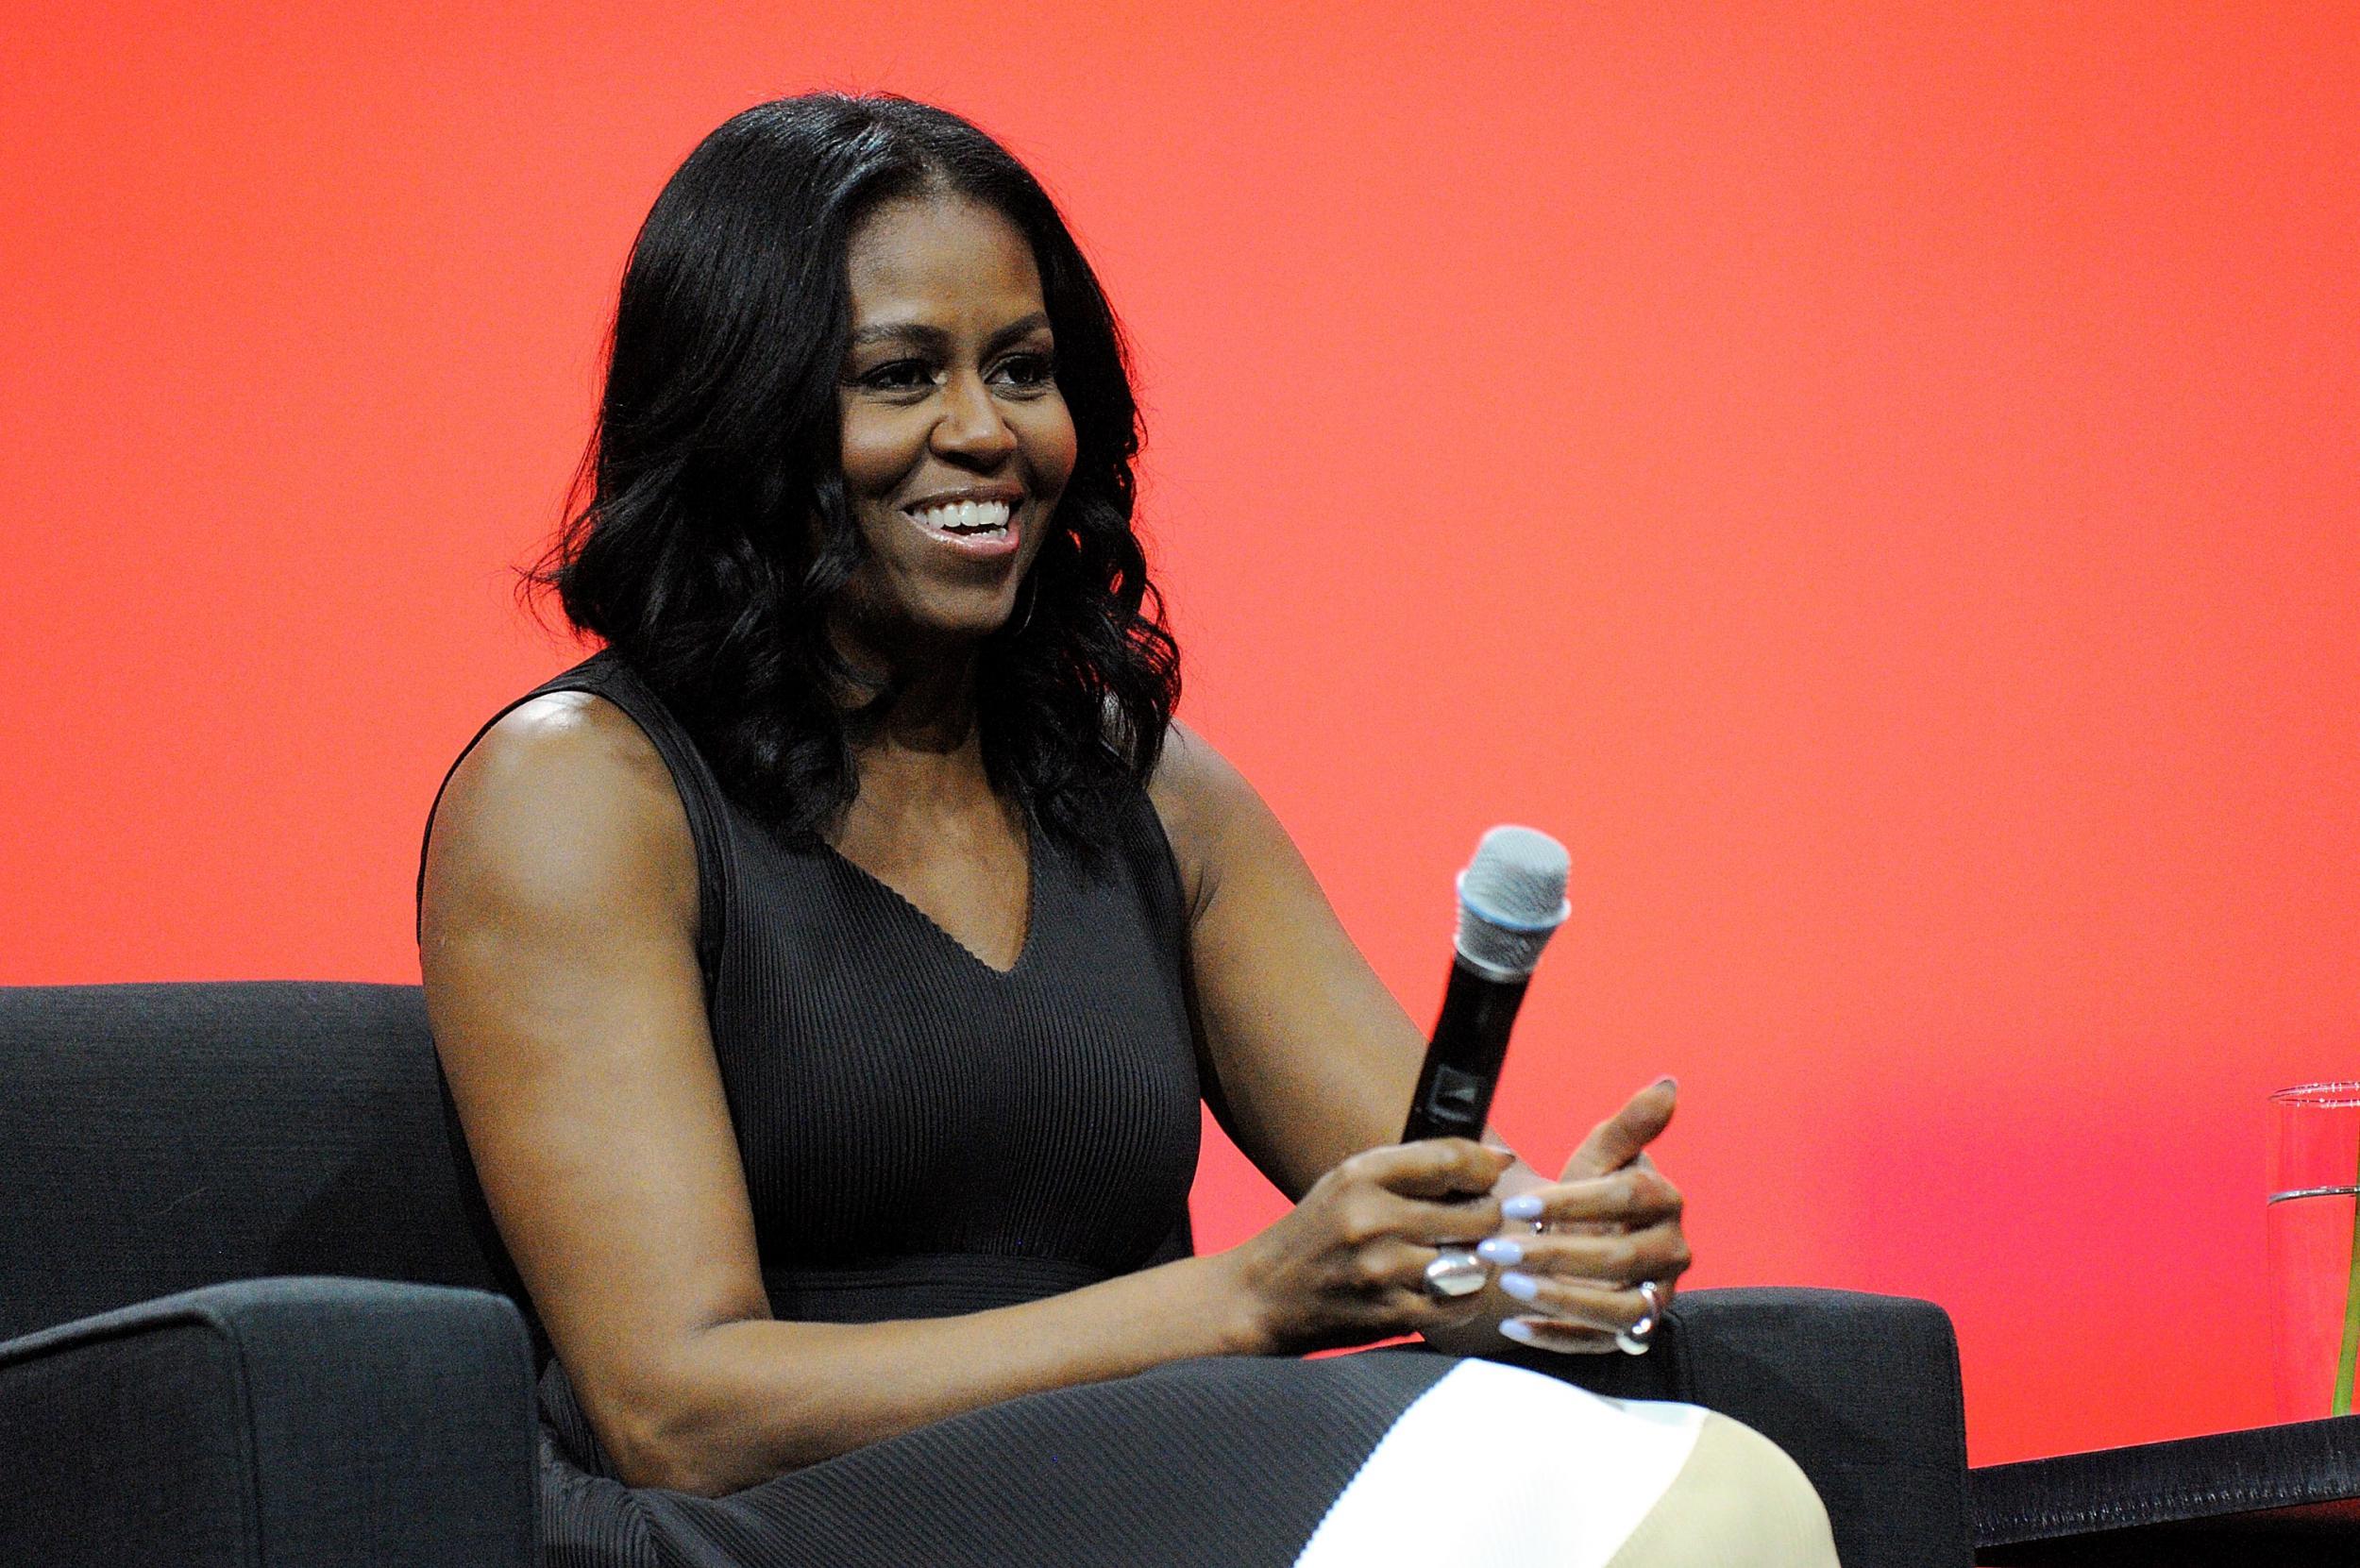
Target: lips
965,516
978,530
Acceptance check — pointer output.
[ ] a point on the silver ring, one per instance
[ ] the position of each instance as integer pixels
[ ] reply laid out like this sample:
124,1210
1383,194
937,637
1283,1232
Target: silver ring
1454,1273
1634,1340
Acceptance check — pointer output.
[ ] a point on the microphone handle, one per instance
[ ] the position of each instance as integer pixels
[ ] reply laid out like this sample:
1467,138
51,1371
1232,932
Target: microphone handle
1462,1062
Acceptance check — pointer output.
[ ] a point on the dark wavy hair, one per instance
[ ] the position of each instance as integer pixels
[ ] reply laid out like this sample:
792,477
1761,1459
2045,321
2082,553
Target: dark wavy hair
716,530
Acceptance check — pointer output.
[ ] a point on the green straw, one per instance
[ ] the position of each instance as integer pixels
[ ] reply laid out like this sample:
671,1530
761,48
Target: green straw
2348,1357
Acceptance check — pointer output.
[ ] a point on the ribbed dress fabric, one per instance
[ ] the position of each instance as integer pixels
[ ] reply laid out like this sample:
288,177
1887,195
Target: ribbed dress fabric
923,1135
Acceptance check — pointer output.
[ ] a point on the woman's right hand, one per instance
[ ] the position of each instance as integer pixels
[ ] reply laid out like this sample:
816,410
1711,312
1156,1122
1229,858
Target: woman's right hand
1348,1264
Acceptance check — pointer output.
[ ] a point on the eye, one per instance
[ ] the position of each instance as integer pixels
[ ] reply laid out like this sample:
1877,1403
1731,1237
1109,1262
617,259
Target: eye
1029,370
900,376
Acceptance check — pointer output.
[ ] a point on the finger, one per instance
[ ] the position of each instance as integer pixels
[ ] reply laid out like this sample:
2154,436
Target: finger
1563,1337
1468,1221
1584,1306
1411,1310
1433,1167
1388,1268
1618,1261
1617,1140
1383,1268
1631,1197
1396,1281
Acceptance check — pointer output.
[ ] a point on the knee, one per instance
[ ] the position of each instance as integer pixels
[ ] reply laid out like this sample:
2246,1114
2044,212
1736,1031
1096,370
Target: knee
1783,1507
1738,1500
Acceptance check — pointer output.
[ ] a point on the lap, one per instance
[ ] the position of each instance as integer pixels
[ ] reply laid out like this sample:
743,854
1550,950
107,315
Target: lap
1497,1465
1237,1459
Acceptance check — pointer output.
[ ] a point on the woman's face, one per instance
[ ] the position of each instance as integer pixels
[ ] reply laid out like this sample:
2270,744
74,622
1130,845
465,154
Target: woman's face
957,444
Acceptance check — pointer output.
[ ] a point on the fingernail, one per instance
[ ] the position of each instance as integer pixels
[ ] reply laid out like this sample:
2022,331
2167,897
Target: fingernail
1667,1081
1499,1249
1523,1287
1524,1205
1519,1330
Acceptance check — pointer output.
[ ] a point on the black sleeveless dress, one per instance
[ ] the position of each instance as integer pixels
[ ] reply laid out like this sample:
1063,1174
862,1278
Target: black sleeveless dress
923,1135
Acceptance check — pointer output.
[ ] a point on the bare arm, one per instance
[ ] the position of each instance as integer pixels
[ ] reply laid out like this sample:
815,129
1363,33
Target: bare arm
1315,1058
559,955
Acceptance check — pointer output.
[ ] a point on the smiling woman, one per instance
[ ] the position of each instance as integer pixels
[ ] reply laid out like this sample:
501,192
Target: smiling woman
826,973
770,408
957,444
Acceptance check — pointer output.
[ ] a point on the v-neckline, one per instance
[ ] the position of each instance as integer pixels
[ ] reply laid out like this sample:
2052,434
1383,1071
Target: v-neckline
1034,858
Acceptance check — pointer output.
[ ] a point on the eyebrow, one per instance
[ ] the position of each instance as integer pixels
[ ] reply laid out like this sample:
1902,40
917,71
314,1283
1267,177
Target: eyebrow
935,338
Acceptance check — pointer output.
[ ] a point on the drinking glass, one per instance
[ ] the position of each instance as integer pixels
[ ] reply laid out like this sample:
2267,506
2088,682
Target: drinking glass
2311,1229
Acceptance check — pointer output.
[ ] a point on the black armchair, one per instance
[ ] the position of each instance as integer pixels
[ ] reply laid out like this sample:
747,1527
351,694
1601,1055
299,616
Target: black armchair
250,1311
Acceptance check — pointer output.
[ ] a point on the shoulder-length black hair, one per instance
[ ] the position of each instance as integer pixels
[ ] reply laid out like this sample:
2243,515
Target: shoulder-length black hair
717,530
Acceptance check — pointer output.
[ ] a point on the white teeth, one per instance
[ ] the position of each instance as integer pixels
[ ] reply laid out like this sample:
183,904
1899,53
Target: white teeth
965,517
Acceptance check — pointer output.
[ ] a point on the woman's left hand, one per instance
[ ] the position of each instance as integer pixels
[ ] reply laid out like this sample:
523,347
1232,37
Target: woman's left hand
1613,1223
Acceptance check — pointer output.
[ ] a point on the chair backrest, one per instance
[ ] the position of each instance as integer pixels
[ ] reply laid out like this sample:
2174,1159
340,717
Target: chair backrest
154,1138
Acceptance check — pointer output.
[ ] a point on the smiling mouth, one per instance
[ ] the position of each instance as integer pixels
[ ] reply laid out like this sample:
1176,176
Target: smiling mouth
966,519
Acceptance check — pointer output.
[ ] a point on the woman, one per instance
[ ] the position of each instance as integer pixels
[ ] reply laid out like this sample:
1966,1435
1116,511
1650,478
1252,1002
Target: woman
826,975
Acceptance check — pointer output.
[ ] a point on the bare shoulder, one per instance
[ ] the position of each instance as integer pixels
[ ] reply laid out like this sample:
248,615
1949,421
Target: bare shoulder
1193,780
1209,812
1309,1053
563,805
557,952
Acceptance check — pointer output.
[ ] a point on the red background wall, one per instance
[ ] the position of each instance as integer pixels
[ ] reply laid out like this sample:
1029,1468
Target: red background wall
1880,483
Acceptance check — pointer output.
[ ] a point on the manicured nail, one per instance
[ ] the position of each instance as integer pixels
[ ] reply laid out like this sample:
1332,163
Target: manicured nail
1524,1205
1523,1287
1520,1331
1499,1249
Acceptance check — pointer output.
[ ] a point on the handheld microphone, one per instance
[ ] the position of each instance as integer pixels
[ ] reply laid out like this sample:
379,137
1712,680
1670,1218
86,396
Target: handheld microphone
1511,899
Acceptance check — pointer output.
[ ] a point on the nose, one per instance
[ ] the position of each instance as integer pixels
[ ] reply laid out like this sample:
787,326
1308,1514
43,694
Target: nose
972,425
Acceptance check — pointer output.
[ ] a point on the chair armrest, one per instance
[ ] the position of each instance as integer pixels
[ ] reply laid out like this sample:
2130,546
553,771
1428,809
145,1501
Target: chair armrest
332,1422
2283,1494
1862,1390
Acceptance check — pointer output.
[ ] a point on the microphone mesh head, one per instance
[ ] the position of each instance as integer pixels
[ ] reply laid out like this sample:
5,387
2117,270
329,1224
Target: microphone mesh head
1511,899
